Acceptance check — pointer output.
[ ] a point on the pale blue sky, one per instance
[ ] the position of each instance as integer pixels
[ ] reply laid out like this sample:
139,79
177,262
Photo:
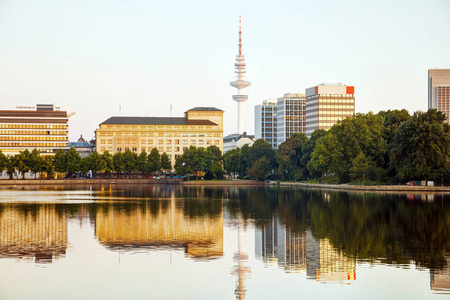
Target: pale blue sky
89,56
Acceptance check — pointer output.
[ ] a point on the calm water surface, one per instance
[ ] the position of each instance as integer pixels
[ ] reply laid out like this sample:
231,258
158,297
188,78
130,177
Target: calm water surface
173,242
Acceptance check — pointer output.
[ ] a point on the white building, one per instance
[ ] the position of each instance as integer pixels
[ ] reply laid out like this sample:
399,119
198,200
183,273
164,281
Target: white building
290,116
234,141
266,121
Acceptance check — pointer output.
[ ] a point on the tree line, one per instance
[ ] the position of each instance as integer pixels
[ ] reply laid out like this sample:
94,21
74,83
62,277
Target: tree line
388,147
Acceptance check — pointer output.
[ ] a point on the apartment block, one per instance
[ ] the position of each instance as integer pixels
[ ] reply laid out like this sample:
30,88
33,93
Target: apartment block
291,117
439,90
266,121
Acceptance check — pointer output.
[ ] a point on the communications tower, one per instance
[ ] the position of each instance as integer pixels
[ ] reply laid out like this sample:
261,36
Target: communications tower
240,83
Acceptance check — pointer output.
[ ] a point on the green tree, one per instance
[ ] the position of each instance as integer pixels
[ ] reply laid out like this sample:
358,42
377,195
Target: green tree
214,161
260,169
166,165
73,161
59,161
94,163
11,166
154,161
261,148
420,147
35,162
289,157
232,161
129,159
3,161
48,166
142,162
107,162
118,162
22,162
307,150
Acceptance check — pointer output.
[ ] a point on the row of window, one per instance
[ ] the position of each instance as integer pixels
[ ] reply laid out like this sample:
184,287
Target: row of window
336,106
34,145
32,126
157,127
334,112
160,142
160,134
33,138
331,100
33,132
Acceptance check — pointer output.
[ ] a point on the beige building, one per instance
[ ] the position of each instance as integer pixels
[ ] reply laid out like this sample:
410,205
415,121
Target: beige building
200,127
439,90
326,104
43,127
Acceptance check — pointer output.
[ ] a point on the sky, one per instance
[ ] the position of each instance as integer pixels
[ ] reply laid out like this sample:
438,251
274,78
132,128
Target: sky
92,57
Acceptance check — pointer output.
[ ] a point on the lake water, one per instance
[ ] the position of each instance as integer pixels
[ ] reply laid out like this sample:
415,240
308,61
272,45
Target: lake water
175,242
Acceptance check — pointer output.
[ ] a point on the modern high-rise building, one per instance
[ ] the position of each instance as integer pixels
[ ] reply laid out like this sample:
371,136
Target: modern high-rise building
266,122
200,127
43,127
240,83
326,104
290,116
439,90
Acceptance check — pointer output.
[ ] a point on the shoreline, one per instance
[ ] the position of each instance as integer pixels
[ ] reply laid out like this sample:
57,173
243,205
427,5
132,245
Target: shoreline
342,187
363,188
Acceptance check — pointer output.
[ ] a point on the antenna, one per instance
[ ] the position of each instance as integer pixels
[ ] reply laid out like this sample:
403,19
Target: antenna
171,109
120,109
240,37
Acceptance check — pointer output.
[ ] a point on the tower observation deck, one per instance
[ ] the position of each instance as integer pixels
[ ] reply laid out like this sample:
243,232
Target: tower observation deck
240,83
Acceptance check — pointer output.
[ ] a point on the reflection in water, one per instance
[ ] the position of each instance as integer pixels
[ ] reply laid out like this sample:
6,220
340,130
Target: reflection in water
159,223
321,235
299,252
33,231
440,279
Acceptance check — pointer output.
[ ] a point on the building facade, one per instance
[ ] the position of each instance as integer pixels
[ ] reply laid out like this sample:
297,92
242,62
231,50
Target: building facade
290,116
82,147
43,127
266,122
439,90
234,141
200,127
326,104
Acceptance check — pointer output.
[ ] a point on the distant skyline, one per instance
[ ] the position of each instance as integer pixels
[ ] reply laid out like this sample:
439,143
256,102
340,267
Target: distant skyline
92,56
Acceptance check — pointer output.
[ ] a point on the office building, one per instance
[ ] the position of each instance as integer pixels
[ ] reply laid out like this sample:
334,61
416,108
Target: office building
82,147
290,116
439,90
200,127
266,122
43,127
326,104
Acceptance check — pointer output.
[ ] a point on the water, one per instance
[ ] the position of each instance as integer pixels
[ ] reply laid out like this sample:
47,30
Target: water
172,242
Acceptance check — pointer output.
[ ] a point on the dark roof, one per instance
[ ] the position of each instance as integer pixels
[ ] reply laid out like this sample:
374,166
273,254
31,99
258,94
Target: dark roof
237,137
154,121
79,144
205,108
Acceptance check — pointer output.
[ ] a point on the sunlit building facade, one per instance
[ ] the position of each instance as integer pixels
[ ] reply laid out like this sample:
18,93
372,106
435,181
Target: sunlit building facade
43,127
326,104
266,122
200,127
290,116
439,90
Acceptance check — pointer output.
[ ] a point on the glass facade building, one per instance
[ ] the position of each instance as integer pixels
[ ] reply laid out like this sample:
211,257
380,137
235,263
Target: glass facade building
439,90
291,115
266,122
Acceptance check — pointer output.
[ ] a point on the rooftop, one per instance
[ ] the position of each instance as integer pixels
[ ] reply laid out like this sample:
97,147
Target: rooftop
154,121
204,109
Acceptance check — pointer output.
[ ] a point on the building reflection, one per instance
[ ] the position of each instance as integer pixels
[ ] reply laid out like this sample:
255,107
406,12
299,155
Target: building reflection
301,252
38,232
440,279
158,224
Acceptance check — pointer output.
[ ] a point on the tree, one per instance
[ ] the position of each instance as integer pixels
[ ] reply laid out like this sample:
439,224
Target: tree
129,160
118,162
11,166
142,162
154,161
166,165
107,162
307,150
232,161
22,162
420,147
289,157
35,162
59,161
260,169
214,161
94,163
48,166
73,161
3,161
261,148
